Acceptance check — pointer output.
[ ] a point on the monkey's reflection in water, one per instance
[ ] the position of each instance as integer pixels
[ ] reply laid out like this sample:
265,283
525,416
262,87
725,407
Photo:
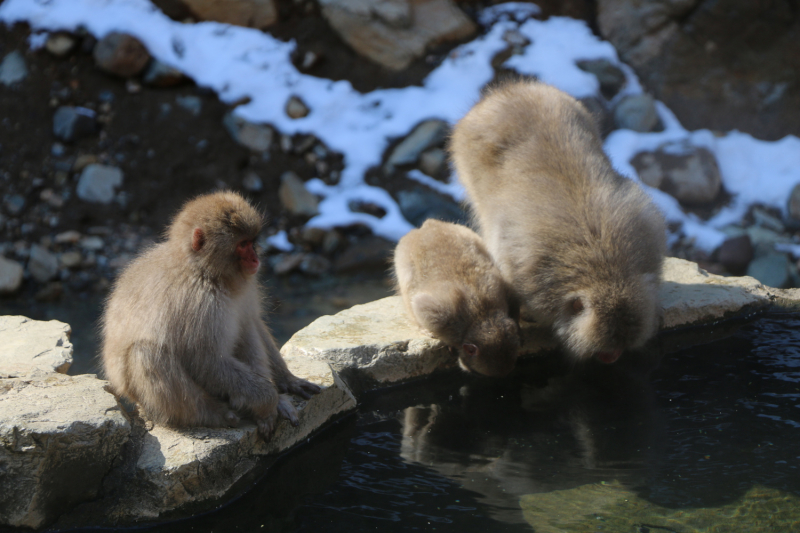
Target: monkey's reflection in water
503,439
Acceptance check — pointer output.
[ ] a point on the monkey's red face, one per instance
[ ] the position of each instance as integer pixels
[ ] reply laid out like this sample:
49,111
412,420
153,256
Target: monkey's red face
248,259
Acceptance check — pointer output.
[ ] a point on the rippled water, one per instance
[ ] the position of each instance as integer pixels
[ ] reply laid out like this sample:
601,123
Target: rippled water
675,434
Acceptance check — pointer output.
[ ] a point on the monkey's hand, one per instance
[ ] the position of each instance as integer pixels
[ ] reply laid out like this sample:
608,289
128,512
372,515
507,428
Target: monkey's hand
286,410
304,389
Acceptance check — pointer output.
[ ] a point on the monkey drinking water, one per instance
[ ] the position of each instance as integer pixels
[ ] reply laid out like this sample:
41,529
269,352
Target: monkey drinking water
580,244
452,289
182,330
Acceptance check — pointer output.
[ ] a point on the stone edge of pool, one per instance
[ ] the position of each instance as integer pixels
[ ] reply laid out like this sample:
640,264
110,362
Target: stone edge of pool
66,442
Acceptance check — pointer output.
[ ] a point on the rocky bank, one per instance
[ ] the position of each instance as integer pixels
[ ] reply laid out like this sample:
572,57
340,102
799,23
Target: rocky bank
72,454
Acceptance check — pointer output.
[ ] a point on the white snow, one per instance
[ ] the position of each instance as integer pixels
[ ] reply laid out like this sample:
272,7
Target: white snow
240,62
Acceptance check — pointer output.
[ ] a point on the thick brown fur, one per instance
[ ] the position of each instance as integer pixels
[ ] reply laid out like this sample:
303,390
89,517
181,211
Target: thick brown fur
182,330
580,244
452,288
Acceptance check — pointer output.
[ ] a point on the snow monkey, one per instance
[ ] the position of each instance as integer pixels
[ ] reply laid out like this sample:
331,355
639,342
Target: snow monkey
453,290
580,244
182,330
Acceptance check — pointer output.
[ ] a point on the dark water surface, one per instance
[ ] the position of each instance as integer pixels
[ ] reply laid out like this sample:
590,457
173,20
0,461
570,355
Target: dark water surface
687,430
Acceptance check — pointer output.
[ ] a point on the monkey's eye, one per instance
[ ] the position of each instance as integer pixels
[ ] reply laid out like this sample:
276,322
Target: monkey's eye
470,349
576,306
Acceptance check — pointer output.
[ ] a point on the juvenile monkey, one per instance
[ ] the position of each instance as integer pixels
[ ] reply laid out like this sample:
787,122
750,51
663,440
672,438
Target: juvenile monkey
452,288
182,330
580,244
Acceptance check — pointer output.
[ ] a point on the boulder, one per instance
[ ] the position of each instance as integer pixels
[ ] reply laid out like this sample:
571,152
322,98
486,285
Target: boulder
735,254
691,176
248,13
60,44
732,65
31,345
771,269
59,437
393,33
417,205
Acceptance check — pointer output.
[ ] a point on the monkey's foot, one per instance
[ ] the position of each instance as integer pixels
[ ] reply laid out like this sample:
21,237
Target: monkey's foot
286,410
266,425
232,419
304,389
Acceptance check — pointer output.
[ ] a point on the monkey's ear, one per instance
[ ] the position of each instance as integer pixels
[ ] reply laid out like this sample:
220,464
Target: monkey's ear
198,239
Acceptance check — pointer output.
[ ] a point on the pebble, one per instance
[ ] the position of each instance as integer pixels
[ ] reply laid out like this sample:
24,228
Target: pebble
92,243
72,123
735,254
11,274
51,198
428,134
97,183
296,108
432,162
370,253
314,264
60,44
309,60
68,237
794,203
192,104
417,205
331,242
71,259
13,69
252,182
294,196
610,76
637,112
42,264
14,204
256,137
160,74
50,292
120,54
84,160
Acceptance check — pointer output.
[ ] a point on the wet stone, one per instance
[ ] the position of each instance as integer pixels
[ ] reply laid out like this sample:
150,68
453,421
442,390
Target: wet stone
97,183
369,253
121,54
73,123
70,259
314,264
638,113
13,69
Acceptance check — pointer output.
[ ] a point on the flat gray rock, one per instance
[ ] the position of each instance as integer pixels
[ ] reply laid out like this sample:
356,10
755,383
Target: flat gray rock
59,437
181,466
27,345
